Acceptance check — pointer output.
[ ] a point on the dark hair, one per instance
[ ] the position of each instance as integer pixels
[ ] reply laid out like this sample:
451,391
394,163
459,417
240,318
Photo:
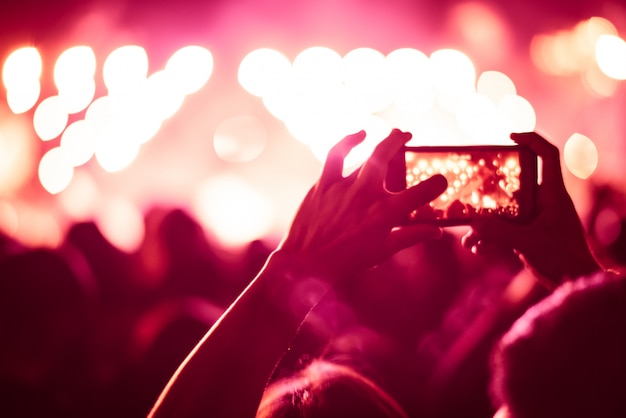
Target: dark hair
326,389
566,356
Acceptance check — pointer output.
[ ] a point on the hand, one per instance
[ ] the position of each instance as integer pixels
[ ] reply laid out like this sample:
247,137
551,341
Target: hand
553,245
349,224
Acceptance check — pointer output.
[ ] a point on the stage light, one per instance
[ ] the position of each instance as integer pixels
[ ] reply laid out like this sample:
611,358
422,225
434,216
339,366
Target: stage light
121,223
50,118
163,97
233,210
190,68
495,85
611,56
21,98
262,70
78,142
74,73
240,139
55,171
518,114
364,80
21,75
409,77
116,147
454,76
580,155
125,69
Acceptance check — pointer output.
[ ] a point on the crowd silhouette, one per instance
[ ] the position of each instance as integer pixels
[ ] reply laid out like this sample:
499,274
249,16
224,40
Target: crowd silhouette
349,310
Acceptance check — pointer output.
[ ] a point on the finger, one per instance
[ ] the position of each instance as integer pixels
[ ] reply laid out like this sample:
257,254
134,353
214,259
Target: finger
552,178
408,236
375,168
417,196
333,167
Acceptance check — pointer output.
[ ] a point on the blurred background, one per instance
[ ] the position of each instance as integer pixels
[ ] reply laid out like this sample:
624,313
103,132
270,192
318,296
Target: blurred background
152,154
270,85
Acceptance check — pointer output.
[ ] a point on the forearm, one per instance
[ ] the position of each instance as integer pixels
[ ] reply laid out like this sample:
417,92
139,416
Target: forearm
225,375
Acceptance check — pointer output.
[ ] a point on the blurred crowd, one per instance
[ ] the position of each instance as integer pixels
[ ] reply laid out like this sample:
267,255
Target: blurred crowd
87,330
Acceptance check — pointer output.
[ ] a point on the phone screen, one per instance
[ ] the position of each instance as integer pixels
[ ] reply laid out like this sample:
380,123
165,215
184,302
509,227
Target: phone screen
482,180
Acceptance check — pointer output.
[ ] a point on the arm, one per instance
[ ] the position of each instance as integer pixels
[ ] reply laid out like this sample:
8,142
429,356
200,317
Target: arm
553,245
343,226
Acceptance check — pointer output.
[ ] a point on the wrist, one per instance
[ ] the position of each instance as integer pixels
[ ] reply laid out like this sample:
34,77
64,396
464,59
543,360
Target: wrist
292,285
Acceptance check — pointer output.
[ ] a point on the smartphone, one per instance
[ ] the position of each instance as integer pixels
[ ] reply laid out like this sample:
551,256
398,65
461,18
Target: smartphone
482,179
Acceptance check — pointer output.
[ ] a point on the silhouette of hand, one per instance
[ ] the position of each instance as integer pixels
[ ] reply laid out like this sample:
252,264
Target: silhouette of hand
349,224
553,245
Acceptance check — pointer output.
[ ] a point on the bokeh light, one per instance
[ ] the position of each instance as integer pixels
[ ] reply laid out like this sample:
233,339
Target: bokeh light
454,76
17,154
74,73
364,80
121,223
21,98
518,114
233,210
262,70
80,199
495,85
22,66
8,218
580,155
116,148
190,68
21,75
55,171
125,69
611,56
50,118
78,142
240,139
409,79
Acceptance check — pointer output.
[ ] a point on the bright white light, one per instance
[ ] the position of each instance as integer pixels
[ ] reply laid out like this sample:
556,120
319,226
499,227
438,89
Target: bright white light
163,98
318,65
454,76
78,142
580,155
190,68
375,127
517,113
410,80
50,118
100,113
125,69
364,80
21,98
76,63
77,96
262,70
495,85
22,66
477,117
240,139
611,56
55,172
233,210
116,149
122,224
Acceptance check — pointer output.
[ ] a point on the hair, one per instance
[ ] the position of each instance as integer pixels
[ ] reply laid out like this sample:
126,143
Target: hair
329,390
566,356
